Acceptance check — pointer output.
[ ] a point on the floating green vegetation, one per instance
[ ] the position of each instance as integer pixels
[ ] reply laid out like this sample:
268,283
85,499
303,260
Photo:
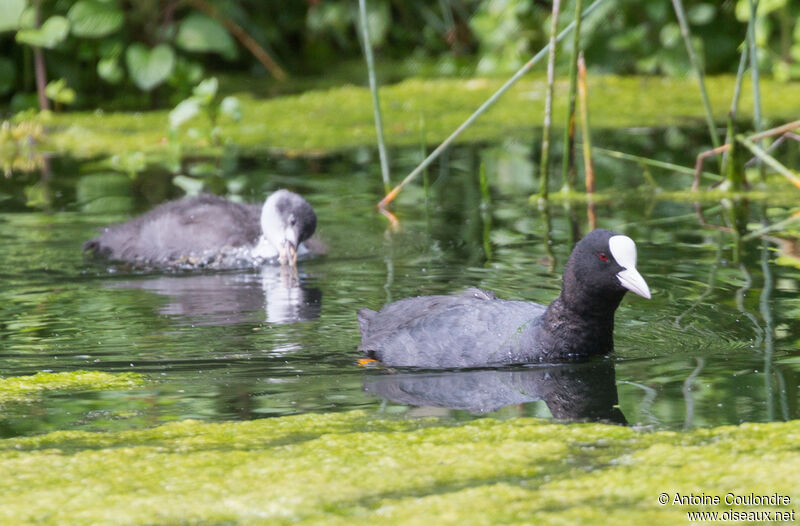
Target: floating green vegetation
350,468
17,147
324,120
30,388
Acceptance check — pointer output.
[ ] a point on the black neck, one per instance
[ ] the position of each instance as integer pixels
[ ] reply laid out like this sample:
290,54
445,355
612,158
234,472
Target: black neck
573,329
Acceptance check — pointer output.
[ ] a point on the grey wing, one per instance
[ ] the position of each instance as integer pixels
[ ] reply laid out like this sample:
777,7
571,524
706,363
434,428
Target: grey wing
203,229
179,229
463,332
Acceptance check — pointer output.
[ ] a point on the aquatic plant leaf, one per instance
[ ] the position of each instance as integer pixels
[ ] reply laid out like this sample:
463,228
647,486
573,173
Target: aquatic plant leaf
186,110
230,106
11,13
149,67
764,8
93,19
109,70
701,14
131,163
59,91
188,185
104,193
201,34
52,33
206,90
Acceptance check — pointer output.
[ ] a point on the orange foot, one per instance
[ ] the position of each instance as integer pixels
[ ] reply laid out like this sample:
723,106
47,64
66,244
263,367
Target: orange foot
367,362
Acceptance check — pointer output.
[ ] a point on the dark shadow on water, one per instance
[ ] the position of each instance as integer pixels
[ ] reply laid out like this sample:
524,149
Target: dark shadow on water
584,391
232,298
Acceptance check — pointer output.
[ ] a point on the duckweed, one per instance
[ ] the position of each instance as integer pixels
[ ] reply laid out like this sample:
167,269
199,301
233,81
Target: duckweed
30,388
323,120
352,468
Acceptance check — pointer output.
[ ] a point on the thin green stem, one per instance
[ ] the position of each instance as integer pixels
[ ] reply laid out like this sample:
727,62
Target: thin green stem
769,160
482,109
568,160
373,88
737,91
769,328
486,212
651,162
771,228
544,163
680,13
588,164
585,130
751,42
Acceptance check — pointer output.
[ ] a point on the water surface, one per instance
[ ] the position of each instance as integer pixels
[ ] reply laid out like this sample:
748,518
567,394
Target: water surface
716,344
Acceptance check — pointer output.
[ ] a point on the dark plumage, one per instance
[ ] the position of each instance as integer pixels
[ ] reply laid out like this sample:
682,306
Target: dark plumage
571,391
209,229
475,329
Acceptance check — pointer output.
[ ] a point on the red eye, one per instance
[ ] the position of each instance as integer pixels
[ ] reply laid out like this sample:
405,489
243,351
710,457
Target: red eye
602,256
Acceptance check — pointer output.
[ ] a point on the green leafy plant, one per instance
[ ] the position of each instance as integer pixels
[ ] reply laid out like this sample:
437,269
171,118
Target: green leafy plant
140,44
777,35
203,110
204,101
59,92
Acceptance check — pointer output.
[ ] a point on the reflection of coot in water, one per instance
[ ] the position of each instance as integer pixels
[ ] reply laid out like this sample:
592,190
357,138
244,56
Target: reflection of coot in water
231,298
582,391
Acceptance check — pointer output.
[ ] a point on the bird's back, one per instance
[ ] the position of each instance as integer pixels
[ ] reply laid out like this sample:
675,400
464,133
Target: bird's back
450,331
196,227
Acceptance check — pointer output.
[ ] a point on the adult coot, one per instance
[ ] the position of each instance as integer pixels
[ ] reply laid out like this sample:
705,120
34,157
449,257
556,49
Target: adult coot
209,229
475,329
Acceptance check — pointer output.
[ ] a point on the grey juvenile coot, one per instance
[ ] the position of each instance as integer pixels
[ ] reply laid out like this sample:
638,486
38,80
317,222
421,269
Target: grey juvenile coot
476,329
200,229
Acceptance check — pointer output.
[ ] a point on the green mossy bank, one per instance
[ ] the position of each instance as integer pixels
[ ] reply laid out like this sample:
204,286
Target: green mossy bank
325,120
352,468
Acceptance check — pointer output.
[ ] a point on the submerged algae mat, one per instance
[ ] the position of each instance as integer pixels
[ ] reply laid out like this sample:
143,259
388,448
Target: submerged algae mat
352,468
27,389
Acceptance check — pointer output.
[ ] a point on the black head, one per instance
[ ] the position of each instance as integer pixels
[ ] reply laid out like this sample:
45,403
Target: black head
601,268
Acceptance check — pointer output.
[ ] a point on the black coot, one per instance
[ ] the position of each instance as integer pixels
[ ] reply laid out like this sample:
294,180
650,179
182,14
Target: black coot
206,229
475,329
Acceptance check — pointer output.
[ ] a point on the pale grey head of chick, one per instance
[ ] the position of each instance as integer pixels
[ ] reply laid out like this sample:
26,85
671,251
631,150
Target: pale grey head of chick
286,221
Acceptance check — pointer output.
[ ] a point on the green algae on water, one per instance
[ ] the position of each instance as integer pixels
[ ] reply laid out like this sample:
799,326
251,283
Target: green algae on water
326,120
30,388
352,468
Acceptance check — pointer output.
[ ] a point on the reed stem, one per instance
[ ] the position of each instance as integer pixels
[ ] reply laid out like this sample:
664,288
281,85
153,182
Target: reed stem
39,64
482,109
769,160
373,88
544,163
737,91
651,162
588,165
568,159
486,212
680,13
751,42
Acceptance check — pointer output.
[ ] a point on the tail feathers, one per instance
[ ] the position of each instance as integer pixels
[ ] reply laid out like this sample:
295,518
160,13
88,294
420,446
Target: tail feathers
481,294
364,318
